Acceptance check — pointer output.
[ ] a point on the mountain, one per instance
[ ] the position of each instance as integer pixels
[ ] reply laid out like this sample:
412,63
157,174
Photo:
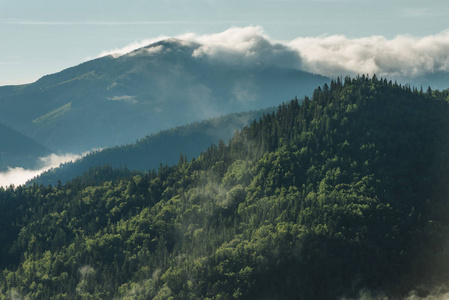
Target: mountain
115,100
17,150
342,196
165,147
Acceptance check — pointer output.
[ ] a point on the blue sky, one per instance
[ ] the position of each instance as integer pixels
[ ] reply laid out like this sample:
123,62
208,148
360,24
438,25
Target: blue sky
38,37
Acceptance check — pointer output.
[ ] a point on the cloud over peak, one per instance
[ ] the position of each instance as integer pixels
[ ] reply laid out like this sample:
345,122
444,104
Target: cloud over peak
402,57
247,45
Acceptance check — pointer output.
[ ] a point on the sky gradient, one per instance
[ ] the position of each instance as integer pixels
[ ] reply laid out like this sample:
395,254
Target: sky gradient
43,37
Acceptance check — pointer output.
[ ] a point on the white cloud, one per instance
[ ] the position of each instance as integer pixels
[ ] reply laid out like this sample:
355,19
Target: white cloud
237,45
402,57
129,99
244,45
18,176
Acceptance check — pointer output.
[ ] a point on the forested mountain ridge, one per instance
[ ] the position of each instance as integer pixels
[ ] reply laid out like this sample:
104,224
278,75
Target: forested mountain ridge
111,101
320,200
164,147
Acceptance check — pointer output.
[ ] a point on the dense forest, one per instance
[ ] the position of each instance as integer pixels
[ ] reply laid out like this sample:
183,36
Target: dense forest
344,192
161,148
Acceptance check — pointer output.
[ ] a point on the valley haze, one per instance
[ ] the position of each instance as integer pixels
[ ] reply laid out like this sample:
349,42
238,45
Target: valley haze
18,175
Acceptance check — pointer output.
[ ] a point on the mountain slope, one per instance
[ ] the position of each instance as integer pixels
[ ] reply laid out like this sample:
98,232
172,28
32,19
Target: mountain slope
343,193
110,101
17,150
165,147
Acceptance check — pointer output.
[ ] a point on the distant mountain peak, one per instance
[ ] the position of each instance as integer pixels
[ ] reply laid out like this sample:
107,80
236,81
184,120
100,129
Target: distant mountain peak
171,45
161,85
174,42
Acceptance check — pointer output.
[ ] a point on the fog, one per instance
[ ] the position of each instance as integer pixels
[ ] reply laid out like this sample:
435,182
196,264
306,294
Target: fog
439,293
18,176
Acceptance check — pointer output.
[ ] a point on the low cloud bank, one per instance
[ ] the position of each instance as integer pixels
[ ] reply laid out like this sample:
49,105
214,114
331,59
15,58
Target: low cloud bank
402,57
248,45
18,176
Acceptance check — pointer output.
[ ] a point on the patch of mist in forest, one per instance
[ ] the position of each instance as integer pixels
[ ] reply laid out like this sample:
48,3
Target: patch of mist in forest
439,293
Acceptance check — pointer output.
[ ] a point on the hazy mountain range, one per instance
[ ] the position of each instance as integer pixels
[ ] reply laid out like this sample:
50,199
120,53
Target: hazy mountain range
19,150
114,100
124,96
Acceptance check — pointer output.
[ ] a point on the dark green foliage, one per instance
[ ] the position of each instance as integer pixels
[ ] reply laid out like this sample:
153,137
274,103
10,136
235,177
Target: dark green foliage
344,192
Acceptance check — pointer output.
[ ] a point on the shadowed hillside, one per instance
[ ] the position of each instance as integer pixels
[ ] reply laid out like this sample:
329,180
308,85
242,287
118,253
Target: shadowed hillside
17,150
165,147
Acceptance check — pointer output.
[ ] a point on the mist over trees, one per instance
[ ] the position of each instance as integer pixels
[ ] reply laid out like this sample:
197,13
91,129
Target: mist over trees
164,147
346,191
